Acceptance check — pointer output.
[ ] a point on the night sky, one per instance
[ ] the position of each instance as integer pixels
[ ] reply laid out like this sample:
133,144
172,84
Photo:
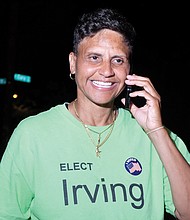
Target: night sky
36,38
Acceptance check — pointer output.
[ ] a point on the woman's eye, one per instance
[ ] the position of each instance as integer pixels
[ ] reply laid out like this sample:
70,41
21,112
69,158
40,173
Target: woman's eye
118,61
93,57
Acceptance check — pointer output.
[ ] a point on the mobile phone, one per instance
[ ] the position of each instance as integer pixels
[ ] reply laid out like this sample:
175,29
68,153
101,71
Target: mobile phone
129,88
138,101
127,97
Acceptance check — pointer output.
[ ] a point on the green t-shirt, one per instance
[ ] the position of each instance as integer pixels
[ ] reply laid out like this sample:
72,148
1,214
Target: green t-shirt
50,171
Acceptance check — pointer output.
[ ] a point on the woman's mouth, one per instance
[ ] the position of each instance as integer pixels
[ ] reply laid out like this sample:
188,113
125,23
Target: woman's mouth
102,84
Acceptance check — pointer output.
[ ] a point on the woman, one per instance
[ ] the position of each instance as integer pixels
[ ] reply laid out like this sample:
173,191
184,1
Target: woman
89,159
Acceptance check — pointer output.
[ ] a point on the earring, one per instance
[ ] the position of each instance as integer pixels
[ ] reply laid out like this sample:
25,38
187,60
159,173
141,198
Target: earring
72,76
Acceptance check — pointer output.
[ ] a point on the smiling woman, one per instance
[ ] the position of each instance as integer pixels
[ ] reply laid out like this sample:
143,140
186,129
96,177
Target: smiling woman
91,136
105,64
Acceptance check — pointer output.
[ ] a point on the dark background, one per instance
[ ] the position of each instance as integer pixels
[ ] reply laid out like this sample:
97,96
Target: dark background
36,38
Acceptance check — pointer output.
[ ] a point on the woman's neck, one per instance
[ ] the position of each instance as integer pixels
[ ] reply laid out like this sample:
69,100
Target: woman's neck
94,115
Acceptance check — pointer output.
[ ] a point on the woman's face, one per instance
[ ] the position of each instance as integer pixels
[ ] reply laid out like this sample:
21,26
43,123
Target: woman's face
101,66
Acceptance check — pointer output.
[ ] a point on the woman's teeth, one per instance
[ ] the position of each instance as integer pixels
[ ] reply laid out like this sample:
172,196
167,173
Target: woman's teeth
102,84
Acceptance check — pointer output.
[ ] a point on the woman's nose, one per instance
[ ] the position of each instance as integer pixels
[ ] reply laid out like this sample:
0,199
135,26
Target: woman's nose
106,70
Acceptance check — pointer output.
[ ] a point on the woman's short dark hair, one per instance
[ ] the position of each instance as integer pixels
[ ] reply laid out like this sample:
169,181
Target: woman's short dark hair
103,18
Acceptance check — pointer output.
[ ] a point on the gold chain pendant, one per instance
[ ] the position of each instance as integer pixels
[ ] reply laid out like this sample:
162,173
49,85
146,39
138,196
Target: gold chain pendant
88,130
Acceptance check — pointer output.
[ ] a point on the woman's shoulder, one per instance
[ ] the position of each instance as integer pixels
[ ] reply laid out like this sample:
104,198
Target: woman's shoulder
43,118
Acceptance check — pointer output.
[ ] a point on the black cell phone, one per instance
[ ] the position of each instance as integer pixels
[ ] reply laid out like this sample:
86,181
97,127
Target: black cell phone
138,101
127,97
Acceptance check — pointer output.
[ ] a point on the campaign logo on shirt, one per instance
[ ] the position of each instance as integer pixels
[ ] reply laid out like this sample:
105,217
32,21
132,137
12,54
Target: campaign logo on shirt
133,166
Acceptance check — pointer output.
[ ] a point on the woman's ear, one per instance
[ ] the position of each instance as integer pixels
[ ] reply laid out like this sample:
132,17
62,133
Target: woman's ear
72,62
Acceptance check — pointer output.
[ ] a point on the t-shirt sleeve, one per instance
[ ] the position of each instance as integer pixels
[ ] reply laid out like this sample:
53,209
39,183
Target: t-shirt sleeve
15,193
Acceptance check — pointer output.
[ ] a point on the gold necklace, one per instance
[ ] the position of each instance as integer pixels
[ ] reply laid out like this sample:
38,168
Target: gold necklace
87,129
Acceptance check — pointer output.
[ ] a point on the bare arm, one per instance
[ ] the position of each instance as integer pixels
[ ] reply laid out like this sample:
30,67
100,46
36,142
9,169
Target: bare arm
178,171
177,168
